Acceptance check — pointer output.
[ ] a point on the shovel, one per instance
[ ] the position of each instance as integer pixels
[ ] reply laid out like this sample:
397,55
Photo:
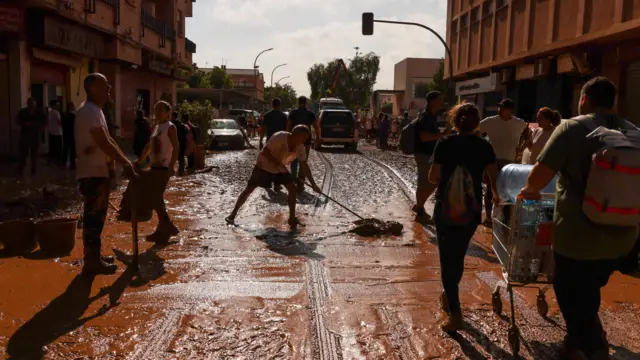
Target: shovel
336,201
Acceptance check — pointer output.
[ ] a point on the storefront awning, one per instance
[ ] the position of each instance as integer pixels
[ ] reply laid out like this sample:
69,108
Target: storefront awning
56,58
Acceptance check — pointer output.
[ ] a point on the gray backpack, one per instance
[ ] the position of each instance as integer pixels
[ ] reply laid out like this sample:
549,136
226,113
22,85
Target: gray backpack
611,196
408,138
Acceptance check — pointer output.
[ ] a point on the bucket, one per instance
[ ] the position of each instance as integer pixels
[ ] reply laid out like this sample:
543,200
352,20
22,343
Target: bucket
56,236
17,236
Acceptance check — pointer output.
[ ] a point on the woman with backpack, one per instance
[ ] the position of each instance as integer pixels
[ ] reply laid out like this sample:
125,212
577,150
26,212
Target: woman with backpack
459,161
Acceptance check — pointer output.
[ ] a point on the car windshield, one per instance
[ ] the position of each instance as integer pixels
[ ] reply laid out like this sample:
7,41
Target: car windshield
224,124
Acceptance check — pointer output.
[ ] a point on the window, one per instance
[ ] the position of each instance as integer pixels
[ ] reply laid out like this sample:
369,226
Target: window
487,8
464,21
475,14
180,24
454,26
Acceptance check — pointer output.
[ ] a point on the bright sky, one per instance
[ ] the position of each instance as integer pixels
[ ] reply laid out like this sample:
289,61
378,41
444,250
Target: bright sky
304,32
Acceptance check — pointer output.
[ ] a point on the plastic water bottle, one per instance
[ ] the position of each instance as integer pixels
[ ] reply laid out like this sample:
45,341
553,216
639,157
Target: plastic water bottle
529,213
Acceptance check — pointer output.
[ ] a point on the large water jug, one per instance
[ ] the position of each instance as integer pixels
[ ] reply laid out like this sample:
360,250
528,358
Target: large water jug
512,179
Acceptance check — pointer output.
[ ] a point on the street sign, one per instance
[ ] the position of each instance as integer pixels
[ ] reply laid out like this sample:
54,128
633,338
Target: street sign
367,23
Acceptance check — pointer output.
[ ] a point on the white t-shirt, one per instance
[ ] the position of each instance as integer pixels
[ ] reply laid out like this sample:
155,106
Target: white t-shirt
278,144
504,135
55,123
92,161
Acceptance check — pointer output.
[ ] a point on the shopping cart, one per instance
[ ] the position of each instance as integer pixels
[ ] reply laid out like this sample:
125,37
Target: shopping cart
522,242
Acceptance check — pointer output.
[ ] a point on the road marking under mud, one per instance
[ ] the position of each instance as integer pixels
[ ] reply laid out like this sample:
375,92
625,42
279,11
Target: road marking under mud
158,337
325,344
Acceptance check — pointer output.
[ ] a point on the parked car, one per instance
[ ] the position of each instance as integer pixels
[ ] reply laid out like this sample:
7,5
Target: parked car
337,127
226,134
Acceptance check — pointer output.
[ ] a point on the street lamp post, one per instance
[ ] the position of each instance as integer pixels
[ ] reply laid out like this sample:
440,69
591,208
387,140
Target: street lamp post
255,69
274,70
286,77
367,29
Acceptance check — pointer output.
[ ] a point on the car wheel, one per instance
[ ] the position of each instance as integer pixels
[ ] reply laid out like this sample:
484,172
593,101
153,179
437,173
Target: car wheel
354,147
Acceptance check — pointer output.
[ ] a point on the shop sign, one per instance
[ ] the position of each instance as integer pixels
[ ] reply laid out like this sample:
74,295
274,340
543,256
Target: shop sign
73,38
10,19
477,86
160,67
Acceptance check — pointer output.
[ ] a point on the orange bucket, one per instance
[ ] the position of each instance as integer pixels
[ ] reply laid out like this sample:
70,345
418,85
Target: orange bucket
56,236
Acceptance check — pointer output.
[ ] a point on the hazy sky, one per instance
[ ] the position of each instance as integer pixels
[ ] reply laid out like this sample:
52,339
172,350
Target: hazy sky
304,32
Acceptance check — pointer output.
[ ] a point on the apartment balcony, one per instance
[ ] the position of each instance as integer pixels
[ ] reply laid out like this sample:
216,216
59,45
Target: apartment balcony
157,35
190,46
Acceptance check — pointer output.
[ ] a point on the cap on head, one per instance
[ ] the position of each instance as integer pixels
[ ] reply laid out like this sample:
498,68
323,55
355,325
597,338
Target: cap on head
507,104
432,95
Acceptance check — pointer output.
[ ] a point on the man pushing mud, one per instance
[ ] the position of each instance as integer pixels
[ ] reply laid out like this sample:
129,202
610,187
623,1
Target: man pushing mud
272,169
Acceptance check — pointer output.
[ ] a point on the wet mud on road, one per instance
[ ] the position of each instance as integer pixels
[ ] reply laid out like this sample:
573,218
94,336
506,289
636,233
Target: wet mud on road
261,291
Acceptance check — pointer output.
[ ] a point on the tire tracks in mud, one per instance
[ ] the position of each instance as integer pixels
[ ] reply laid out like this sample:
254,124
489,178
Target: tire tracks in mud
159,336
325,344
399,335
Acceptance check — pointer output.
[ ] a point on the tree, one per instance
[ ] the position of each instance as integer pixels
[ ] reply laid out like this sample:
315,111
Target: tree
286,93
440,84
354,90
213,79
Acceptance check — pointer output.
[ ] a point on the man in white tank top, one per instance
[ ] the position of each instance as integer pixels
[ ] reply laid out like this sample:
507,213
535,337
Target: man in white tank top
96,152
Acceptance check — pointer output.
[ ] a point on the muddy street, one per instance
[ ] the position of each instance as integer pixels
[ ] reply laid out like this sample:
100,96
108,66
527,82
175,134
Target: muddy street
261,291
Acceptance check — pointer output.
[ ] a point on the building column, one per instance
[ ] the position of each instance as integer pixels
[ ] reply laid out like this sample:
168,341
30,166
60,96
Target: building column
113,73
19,87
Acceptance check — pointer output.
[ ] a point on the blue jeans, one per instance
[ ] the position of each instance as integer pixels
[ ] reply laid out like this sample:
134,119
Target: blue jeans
95,192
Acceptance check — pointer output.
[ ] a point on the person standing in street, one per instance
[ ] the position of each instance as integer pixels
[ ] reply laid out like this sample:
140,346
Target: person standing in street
273,121
271,168
306,117
54,127
375,125
369,128
427,135
141,134
459,158
190,151
537,138
182,141
384,131
96,152
163,147
405,120
504,131
586,253
68,136
32,122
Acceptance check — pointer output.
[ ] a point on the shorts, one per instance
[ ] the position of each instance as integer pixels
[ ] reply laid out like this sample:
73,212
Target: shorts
423,162
264,179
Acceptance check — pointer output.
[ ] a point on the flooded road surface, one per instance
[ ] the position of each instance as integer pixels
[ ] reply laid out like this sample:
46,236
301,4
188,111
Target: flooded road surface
261,291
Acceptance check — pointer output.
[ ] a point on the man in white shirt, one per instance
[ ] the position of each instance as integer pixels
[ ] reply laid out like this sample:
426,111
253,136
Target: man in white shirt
54,128
504,132
96,152
272,168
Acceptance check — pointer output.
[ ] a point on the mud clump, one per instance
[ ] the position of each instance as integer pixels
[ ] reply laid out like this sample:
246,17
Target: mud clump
376,227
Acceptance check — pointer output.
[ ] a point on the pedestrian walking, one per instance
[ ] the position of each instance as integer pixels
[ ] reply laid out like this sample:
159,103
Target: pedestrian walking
272,169
369,128
504,131
32,122
182,141
163,147
141,134
394,129
68,136
376,125
306,117
385,127
405,120
537,138
459,161
586,253
251,126
427,135
54,128
96,151
190,150
273,121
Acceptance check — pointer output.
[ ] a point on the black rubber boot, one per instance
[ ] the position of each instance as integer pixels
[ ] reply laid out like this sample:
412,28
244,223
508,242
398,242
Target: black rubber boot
95,265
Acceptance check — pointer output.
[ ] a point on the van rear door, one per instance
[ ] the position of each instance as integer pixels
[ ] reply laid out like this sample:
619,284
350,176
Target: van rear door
337,124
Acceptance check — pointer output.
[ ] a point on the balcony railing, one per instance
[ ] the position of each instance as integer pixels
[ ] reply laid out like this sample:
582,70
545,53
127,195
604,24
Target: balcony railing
160,27
190,46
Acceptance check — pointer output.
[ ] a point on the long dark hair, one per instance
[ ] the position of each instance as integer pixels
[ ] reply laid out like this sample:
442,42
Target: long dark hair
465,117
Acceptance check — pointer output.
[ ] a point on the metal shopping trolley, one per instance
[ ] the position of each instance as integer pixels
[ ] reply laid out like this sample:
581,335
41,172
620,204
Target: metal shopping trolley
522,237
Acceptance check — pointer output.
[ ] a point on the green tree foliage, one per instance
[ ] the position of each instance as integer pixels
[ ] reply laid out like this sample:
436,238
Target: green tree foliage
286,93
214,79
440,84
364,71
387,108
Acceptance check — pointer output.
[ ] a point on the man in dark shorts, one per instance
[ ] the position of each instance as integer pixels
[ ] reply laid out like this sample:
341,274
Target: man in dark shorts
306,117
427,135
32,122
271,168
274,121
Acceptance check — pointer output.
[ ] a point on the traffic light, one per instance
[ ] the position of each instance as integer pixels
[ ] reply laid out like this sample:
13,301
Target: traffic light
367,23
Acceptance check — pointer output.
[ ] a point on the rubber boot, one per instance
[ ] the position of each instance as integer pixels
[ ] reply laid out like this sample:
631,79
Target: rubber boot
94,264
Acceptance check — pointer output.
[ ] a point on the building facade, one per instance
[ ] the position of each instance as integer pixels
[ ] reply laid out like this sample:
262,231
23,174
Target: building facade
541,52
47,47
246,81
411,76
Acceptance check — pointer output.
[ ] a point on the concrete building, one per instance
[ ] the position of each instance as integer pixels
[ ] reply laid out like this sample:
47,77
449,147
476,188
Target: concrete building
244,81
409,74
541,52
47,47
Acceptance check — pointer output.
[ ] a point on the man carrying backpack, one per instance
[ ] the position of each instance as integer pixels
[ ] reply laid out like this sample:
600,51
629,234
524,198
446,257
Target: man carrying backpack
427,135
596,218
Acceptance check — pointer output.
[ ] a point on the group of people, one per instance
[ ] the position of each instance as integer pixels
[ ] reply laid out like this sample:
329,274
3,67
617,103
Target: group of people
586,254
